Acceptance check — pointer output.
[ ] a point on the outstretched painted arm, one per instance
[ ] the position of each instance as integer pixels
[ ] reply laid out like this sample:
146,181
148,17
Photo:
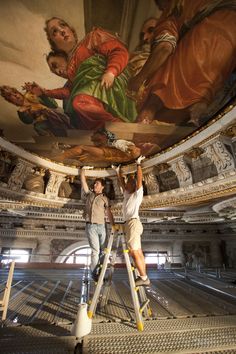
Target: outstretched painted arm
59,93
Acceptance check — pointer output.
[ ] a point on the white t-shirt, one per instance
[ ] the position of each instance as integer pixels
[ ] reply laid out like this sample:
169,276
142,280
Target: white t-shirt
131,204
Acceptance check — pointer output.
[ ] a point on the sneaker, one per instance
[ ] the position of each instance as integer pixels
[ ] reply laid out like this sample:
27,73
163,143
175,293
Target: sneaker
140,282
95,275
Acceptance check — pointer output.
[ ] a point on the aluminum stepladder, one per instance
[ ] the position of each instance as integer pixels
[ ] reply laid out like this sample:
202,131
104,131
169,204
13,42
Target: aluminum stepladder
139,298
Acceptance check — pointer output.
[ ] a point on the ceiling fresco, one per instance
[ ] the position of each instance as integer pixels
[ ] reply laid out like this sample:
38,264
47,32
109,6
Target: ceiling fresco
101,82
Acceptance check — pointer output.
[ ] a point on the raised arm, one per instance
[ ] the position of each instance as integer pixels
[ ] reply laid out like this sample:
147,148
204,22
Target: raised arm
139,172
83,178
139,176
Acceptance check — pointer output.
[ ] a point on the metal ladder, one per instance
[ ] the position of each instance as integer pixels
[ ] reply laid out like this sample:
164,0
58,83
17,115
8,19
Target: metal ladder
139,298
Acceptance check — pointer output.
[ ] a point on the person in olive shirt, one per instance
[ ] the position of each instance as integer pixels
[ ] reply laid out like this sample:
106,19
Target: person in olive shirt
96,208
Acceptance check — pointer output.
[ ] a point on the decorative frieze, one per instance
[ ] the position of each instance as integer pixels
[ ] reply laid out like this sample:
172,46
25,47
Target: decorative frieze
13,233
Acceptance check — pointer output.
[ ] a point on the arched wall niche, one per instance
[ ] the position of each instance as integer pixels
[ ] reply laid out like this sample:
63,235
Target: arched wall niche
68,250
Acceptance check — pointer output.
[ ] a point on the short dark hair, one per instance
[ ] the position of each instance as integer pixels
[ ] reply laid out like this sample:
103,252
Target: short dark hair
149,19
110,136
57,53
101,180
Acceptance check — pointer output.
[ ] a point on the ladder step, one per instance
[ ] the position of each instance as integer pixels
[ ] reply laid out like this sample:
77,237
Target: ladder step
144,305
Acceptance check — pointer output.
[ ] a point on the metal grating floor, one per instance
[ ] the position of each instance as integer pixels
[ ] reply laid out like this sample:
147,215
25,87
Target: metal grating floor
197,316
175,342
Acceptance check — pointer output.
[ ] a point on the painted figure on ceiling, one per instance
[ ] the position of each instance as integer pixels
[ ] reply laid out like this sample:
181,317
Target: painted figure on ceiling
193,54
142,51
40,111
96,72
106,149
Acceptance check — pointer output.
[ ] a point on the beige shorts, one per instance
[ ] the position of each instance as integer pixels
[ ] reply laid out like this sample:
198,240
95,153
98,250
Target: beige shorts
133,229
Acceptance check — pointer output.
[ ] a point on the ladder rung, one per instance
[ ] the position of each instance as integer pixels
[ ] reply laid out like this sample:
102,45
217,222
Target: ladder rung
144,305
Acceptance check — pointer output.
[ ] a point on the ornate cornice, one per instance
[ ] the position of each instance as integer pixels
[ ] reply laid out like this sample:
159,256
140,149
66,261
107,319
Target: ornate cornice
212,143
212,188
222,121
199,192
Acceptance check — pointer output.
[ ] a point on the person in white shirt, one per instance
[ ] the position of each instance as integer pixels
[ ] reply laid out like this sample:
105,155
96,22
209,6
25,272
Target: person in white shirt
133,195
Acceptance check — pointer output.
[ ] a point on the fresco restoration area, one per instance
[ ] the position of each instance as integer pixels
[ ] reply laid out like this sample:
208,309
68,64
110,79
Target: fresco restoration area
101,82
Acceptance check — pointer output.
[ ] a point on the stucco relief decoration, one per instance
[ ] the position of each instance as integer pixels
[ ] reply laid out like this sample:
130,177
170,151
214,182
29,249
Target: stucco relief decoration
151,182
79,87
54,183
18,175
5,166
182,171
230,131
218,153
